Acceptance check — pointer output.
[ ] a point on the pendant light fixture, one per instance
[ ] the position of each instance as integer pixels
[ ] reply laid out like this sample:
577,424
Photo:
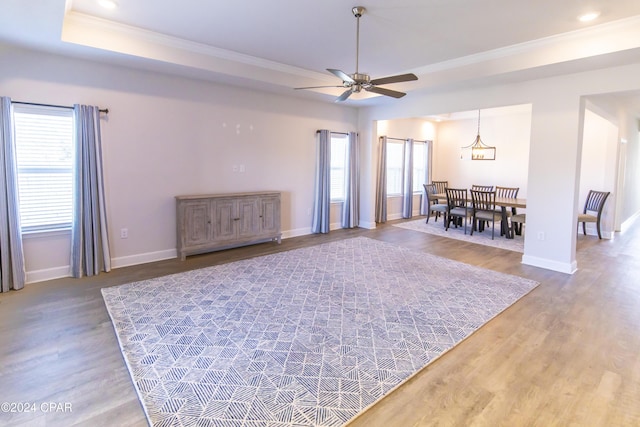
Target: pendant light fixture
478,150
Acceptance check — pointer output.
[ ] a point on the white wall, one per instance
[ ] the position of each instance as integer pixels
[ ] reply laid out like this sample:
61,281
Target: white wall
598,167
507,129
166,136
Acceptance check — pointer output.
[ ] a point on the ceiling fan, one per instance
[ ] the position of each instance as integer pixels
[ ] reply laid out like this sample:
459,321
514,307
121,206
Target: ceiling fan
357,81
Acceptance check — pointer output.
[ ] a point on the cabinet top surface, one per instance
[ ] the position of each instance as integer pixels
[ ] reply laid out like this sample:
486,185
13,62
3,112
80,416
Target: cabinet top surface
207,196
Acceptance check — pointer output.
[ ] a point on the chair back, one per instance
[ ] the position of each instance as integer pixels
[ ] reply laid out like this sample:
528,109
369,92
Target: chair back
482,187
595,201
483,200
440,186
456,198
510,192
430,190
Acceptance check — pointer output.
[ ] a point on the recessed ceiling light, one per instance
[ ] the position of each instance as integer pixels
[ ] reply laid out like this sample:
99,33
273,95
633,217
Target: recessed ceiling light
588,16
108,4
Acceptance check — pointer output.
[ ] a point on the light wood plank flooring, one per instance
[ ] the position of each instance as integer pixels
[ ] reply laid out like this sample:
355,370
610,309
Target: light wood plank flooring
567,354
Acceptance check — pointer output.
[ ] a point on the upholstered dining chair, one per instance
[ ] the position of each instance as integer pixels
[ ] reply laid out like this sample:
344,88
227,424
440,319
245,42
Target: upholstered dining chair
592,211
483,210
457,207
512,193
432,203
440,186
517,221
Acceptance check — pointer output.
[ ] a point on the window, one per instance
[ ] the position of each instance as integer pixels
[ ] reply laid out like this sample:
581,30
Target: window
338,166
44,154
395,161
419,166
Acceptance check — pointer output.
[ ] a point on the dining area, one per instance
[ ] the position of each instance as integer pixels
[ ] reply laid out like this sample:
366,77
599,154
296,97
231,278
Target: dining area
476,208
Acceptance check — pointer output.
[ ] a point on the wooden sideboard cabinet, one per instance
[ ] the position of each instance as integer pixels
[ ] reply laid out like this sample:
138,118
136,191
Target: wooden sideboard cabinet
212,222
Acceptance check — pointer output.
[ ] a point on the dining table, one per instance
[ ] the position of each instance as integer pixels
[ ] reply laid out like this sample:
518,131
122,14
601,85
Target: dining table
503,203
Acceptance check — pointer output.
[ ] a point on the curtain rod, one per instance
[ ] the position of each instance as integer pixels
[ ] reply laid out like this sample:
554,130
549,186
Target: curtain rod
400,139
337,133
104,110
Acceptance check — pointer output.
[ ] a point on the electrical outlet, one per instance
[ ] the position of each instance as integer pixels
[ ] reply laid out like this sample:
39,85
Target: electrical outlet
540,235
124,233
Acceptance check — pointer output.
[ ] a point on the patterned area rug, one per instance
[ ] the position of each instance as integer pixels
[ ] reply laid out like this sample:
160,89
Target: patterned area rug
309,337
481,238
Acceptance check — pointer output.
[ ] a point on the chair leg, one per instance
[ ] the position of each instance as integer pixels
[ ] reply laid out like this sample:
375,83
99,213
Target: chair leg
598,227
428,215
584,228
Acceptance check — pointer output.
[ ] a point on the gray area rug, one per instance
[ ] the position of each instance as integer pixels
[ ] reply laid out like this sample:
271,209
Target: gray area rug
481,238
309,337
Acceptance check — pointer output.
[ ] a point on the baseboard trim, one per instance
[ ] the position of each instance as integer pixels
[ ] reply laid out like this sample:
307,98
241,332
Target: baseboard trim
144,258
567,268
48,274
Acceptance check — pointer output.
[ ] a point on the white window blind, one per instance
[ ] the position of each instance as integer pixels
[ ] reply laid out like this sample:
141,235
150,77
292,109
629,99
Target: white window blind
44,152
338,166
395,161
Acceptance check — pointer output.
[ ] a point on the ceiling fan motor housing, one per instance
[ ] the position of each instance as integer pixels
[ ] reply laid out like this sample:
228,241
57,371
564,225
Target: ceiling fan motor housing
361,78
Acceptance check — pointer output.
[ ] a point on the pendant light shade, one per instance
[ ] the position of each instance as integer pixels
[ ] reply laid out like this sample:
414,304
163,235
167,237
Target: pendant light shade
478,150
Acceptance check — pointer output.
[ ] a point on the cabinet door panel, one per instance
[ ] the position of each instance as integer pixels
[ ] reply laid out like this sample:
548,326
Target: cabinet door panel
248,212
197,228
270,210
224,219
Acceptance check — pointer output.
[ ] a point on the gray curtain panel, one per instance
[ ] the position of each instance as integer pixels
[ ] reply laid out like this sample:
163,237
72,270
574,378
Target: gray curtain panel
424,210
89,236
381,185
351,205
321,193
12,273
407,197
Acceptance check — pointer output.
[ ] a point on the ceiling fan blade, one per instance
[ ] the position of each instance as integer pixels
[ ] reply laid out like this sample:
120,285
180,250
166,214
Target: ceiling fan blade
386,92
346,94
341,75
314,87
394,79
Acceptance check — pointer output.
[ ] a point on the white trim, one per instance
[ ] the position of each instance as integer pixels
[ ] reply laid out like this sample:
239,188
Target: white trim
296,232
568,268
144,258
629,222
370,225
47,274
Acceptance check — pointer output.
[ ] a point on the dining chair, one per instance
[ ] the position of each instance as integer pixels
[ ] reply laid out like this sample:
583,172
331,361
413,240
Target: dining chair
440,186
457,207
517,221
483,210
432,203
594,203
512,193
482,187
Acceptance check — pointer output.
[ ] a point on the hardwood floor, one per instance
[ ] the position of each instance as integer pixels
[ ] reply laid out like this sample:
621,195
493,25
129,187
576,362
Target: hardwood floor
566,354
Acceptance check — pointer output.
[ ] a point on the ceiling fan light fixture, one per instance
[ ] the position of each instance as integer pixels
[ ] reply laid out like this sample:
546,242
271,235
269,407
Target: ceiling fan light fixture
356,82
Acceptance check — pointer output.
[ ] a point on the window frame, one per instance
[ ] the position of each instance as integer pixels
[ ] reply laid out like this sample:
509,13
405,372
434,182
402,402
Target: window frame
340,138
64,169
391,193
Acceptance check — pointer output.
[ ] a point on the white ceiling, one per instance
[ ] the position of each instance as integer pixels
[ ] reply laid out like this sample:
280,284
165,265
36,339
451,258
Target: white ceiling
278,45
